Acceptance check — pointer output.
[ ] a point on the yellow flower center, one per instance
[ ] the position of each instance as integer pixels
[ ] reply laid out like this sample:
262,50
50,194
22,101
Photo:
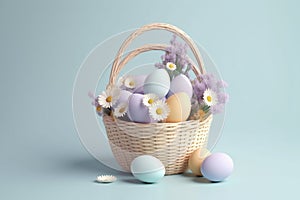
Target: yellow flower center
99,108
109,99
171,66
209,98
150,101
159,111
122,110
131,83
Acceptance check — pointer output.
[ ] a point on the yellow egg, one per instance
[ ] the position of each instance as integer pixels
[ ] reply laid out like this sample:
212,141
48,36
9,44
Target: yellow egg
196,159
180,107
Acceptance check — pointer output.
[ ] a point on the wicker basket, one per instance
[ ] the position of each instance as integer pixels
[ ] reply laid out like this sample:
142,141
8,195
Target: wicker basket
171,143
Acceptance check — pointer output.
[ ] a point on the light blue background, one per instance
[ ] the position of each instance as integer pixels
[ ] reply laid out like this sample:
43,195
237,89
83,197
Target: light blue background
42,44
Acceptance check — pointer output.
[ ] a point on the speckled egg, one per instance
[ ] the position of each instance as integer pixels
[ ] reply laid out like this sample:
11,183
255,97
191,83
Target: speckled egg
137,111
180,107
147,169
196,159
217,167
158,82
181,83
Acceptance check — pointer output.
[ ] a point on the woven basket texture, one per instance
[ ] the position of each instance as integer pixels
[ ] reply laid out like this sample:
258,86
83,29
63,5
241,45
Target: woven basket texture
171,143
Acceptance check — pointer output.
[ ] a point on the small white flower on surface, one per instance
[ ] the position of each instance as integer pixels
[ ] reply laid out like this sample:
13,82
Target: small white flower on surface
121,110
106,178
210,97
159,110
129,82
108,98
150,99
171,66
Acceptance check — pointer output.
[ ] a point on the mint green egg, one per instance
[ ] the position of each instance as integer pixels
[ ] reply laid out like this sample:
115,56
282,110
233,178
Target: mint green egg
150,177
147,169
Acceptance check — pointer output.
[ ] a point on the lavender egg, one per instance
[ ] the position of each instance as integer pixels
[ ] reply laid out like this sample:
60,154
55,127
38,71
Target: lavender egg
124,96
217,167
139,81
181,83
137,111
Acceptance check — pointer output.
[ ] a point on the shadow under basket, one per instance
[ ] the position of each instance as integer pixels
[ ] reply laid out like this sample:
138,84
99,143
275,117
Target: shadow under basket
171,143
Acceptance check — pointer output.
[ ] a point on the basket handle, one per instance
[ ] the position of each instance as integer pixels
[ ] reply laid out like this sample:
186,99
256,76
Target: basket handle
155,26
150,47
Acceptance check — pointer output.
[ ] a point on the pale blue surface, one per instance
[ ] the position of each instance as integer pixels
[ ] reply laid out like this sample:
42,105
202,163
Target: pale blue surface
255,45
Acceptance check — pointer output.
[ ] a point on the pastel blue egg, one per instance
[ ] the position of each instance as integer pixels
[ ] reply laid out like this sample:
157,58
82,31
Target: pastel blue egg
217,167
137,111
158,82
147,169
181,83
151,177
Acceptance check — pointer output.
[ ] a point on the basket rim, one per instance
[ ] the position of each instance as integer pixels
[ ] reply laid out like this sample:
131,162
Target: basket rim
112,118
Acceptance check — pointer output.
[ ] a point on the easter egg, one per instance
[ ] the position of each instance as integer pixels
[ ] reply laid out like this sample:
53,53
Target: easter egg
139,81
124,96
217,167
196,159
147,169
137,111
158,82
181,83
180,107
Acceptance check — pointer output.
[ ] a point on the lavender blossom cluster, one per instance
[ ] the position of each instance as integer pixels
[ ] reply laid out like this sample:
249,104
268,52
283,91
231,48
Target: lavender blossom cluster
208,81
176,53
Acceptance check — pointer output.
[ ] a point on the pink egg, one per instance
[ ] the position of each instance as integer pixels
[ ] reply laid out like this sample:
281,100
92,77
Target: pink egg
137,111
217,167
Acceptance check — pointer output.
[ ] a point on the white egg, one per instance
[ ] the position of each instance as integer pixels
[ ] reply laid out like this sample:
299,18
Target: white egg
158,82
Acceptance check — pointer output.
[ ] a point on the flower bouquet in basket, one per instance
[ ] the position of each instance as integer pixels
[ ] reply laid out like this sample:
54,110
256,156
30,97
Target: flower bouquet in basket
165,114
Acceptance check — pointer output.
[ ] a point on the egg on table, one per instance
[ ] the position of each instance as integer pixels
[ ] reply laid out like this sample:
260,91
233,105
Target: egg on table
180,107
217,167
158,82
181,83
196,159
147,169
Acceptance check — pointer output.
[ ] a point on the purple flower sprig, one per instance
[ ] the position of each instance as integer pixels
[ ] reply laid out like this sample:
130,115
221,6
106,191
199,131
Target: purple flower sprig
208,81
176,53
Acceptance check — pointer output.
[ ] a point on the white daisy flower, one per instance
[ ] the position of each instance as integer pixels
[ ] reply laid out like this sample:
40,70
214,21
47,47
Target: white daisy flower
150,99
106,179
171,66
121,110
159,110
109,98
210,97
129,82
